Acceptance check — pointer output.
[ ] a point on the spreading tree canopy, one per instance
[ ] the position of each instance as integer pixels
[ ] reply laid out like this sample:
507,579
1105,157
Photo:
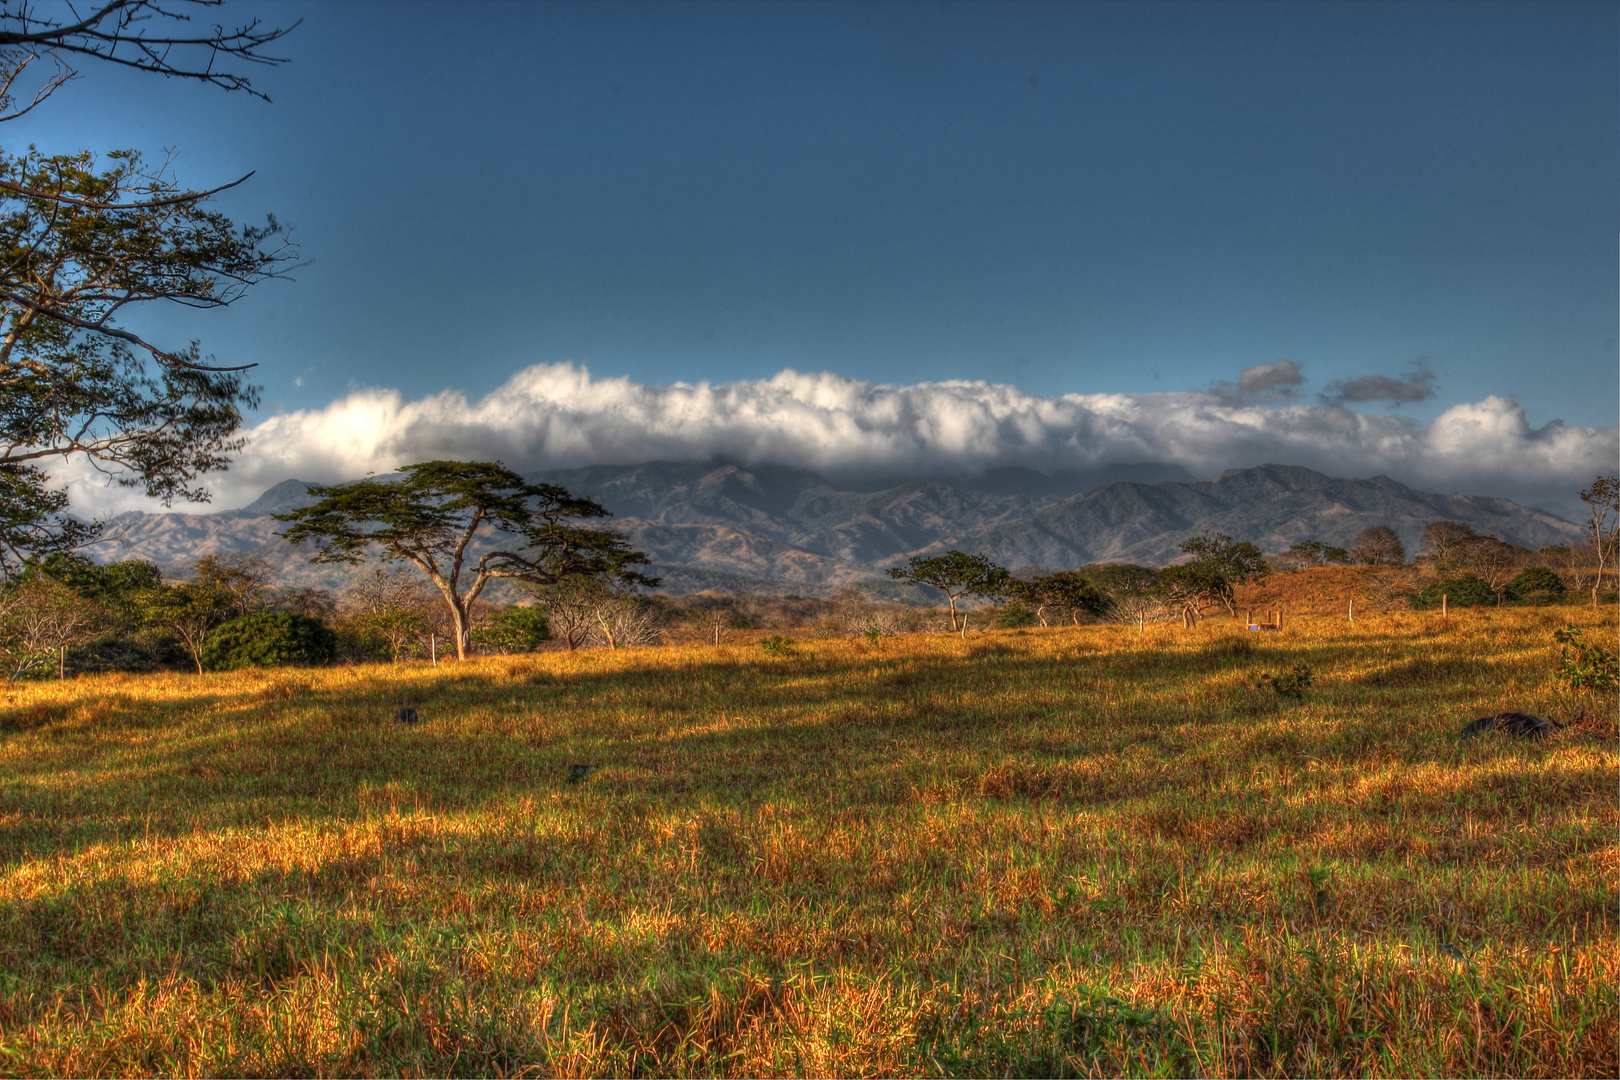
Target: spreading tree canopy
432,513
1217,566
956,574
85,240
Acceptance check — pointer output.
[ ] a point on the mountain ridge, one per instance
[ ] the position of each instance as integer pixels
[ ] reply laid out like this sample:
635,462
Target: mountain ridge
722,522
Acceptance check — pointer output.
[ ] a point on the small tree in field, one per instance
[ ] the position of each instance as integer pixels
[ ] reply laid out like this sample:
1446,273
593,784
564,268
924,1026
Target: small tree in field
956,574
1378,546
39,619
1132,592
1218,565
188,611
1317,553
1068,594
243,580
431,515
1602,524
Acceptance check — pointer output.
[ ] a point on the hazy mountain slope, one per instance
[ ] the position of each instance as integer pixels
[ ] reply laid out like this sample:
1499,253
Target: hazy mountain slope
717,523
1272,505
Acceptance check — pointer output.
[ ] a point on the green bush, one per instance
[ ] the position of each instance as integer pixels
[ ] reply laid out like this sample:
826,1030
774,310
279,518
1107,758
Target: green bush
1465,591
269,639
1584,666
1012,616
515,630
112,654
1537,585
1290,684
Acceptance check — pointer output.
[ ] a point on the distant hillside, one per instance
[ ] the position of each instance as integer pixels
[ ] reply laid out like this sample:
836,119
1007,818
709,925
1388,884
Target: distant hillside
1272,505
724,526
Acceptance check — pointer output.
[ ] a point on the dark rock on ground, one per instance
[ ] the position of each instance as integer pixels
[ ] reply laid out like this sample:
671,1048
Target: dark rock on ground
1521,724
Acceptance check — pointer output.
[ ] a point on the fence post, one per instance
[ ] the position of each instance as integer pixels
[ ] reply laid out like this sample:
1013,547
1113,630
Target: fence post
433,648
1444,612
1352,609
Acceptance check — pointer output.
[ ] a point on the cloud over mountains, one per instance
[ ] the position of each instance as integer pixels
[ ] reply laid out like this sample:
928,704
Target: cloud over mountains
558,415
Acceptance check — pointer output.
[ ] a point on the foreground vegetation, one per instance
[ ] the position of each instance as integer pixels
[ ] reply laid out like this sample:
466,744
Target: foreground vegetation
1086,850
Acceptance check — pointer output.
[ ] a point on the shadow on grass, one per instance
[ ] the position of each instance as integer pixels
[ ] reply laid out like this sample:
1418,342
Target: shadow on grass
725,729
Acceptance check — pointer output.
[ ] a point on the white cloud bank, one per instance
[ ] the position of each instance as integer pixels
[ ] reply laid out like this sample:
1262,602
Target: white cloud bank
557,416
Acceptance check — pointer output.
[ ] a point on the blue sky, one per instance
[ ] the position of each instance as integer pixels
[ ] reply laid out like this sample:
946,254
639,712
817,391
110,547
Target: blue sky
1073,198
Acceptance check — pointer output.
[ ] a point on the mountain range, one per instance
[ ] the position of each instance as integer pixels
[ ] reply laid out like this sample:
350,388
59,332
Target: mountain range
719,525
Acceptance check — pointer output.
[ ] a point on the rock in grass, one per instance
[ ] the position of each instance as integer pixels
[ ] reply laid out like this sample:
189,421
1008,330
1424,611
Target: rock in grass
405,714
577,773
1521,724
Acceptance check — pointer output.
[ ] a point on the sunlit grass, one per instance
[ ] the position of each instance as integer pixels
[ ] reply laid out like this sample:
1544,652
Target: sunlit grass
1089,850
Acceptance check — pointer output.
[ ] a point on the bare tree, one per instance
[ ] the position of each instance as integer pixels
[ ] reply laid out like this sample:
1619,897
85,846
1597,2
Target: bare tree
715,623
306,600
1445,541
1491,560
155,36
570,608
1602,500
625,619
1378,546
39,619
242,580
1573,562
1386,586
388,607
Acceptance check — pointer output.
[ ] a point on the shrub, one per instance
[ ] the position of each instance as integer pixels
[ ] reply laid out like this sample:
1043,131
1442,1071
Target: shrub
777,645
1465,591
1012,616
1585,666
1290,684
268,639
515,630
112,654
1537,585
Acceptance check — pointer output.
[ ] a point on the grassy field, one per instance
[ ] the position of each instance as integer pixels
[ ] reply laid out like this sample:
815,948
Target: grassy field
1039,852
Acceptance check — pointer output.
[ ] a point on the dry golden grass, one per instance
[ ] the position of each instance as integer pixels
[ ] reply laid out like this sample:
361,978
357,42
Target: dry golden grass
1068,851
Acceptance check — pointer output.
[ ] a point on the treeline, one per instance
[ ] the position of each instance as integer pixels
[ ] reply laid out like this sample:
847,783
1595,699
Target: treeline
66,615
1466,567
1456,565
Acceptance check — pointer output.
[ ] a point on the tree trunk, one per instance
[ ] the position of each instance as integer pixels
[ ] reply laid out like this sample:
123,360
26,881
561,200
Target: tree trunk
949,599
462,630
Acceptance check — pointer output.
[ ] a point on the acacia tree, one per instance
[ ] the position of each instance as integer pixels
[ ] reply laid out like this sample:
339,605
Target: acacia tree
956,574
1069,592
83,241
1218,564
431,515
